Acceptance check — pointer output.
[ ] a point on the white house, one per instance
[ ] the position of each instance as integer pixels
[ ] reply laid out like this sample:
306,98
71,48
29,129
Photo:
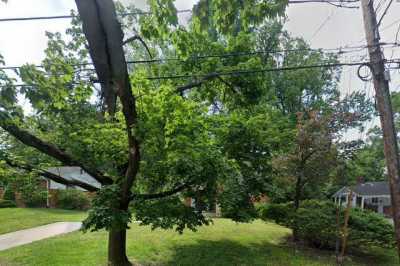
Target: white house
69,173
370,195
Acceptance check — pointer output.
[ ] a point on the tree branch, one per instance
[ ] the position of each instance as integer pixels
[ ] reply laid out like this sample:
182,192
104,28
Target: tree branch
51,176
198,83
140,39
100,24
98,51
47,148
164,194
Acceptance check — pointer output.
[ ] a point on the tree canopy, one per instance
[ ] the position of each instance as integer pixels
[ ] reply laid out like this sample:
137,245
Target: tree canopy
172,111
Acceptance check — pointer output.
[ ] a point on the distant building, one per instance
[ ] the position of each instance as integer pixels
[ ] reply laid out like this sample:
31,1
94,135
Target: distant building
69,173
370,195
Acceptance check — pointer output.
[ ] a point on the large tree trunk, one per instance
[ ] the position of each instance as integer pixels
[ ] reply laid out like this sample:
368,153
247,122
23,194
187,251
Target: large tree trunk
117,248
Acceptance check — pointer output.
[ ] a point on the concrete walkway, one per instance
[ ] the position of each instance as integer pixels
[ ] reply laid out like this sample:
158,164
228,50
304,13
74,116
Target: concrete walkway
27,236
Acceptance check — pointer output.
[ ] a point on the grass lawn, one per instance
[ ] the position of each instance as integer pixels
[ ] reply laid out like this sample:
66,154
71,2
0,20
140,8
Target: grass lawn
224,243
13,219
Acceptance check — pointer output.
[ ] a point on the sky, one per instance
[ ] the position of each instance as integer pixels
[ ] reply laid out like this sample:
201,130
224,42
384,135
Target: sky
322,25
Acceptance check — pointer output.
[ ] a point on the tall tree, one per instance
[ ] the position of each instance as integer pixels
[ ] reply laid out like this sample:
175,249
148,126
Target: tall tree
145,149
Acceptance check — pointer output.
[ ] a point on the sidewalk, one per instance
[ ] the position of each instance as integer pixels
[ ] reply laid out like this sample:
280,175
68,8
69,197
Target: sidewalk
27,236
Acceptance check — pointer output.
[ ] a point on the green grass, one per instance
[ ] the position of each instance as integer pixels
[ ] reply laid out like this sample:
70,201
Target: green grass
224,243
14,219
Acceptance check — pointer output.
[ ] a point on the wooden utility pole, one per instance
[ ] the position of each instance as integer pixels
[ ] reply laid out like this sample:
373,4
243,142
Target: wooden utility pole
381,84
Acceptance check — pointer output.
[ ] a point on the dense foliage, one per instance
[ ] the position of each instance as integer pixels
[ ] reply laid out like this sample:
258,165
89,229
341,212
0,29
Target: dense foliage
205,120
7,203
72,199
316,224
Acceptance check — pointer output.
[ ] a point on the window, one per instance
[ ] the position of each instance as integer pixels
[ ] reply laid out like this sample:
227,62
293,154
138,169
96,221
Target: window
343,198
375,200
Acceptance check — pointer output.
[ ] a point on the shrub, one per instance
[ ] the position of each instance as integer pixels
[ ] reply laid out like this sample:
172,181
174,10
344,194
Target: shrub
35,199
9,194
72,199
315,222
7,204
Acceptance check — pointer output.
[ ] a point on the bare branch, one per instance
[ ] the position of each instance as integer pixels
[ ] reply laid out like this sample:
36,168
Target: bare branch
140,39
49,175
198,83
164,194
47,148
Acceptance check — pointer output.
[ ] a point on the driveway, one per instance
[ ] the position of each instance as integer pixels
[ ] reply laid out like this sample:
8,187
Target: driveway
27,236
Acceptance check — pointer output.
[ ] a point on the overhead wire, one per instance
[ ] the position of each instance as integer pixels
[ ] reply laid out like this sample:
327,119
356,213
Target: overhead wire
384,13
323,24
75,16
339,51
245,71
32,18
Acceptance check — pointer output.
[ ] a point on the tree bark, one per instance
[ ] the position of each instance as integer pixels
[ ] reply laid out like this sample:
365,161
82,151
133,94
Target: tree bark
298,193
297,197
117,248
345,231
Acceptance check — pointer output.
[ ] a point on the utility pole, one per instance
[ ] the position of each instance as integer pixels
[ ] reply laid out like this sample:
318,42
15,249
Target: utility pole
381,84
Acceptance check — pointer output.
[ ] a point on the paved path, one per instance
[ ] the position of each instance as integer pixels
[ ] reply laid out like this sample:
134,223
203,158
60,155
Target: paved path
27,236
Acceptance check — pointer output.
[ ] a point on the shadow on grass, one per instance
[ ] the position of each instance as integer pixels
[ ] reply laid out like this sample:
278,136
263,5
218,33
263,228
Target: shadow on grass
226,252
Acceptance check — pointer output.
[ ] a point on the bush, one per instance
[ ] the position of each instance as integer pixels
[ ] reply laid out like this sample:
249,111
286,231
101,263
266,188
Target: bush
9,194
315,222
35,199
7,204
72,199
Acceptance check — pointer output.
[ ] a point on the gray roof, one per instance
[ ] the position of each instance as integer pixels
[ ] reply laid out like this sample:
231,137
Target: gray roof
71,173
367,189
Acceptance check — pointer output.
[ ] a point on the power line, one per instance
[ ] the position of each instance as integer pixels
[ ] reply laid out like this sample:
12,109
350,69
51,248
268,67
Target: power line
340,2
323,24
340,51
244,72
384,13
254,71
391,24
397,34
75,16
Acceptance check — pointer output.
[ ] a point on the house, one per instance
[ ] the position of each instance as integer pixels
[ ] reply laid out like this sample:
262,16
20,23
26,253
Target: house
69,173
370,195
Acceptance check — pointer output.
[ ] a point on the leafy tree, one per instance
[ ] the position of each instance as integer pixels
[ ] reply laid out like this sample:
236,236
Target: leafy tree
147,146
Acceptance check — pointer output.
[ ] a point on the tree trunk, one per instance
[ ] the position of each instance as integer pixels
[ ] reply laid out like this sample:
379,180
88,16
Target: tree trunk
297,197
117,248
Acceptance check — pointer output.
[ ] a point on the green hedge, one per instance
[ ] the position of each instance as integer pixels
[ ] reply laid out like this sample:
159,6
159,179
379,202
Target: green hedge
72,199
7,204
316,225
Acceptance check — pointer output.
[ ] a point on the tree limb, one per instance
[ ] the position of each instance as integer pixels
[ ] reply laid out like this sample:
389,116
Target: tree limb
51,176
47,148
92,28
198,83
140,39
100,24
160,195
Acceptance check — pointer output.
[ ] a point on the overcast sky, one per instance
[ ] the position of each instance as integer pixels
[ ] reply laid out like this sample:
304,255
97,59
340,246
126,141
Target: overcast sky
322,25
